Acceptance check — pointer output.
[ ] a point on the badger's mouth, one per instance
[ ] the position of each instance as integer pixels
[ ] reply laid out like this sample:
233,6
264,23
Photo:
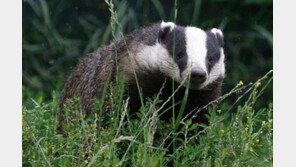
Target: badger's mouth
192,86
196,86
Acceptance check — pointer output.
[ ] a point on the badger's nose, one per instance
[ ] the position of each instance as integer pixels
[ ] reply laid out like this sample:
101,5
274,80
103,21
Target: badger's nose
198,75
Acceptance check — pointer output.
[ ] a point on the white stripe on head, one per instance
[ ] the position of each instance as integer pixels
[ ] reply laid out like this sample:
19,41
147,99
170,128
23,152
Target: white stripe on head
196,49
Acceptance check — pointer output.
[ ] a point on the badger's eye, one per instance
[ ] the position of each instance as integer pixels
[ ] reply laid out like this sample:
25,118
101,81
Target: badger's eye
211,60
179,56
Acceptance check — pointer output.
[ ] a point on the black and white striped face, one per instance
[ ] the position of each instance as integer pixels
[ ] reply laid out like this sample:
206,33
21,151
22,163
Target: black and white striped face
198,56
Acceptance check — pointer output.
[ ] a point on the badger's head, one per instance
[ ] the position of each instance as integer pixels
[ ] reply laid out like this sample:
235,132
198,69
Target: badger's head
189,52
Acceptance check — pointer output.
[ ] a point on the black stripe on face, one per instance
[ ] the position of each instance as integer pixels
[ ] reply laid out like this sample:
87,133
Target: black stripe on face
213,51
167,39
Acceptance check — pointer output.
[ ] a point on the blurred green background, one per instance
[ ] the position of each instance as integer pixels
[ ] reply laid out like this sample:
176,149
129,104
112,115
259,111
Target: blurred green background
58,33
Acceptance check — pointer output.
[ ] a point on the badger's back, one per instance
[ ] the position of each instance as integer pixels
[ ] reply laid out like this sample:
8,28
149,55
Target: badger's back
88,79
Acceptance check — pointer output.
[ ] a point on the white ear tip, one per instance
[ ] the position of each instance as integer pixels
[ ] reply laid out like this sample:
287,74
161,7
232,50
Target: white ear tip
216,31
167,24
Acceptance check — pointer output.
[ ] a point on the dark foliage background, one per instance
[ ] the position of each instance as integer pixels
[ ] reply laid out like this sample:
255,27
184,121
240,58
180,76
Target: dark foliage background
57,33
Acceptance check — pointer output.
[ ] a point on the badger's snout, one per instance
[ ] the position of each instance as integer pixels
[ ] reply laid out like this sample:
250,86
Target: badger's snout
198,76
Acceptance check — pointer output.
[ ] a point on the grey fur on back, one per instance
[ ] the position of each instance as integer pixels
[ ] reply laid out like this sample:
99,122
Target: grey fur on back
88,79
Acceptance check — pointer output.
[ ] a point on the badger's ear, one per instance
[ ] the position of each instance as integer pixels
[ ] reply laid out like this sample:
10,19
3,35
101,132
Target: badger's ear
219,35
165,28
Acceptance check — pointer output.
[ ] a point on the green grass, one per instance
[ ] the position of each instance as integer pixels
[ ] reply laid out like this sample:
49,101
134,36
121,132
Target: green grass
240,138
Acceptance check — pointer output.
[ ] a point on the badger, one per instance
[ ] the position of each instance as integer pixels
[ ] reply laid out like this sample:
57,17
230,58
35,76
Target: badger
154,57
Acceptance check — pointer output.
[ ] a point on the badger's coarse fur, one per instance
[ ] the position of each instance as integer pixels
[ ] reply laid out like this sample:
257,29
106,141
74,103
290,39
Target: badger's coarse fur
199,55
